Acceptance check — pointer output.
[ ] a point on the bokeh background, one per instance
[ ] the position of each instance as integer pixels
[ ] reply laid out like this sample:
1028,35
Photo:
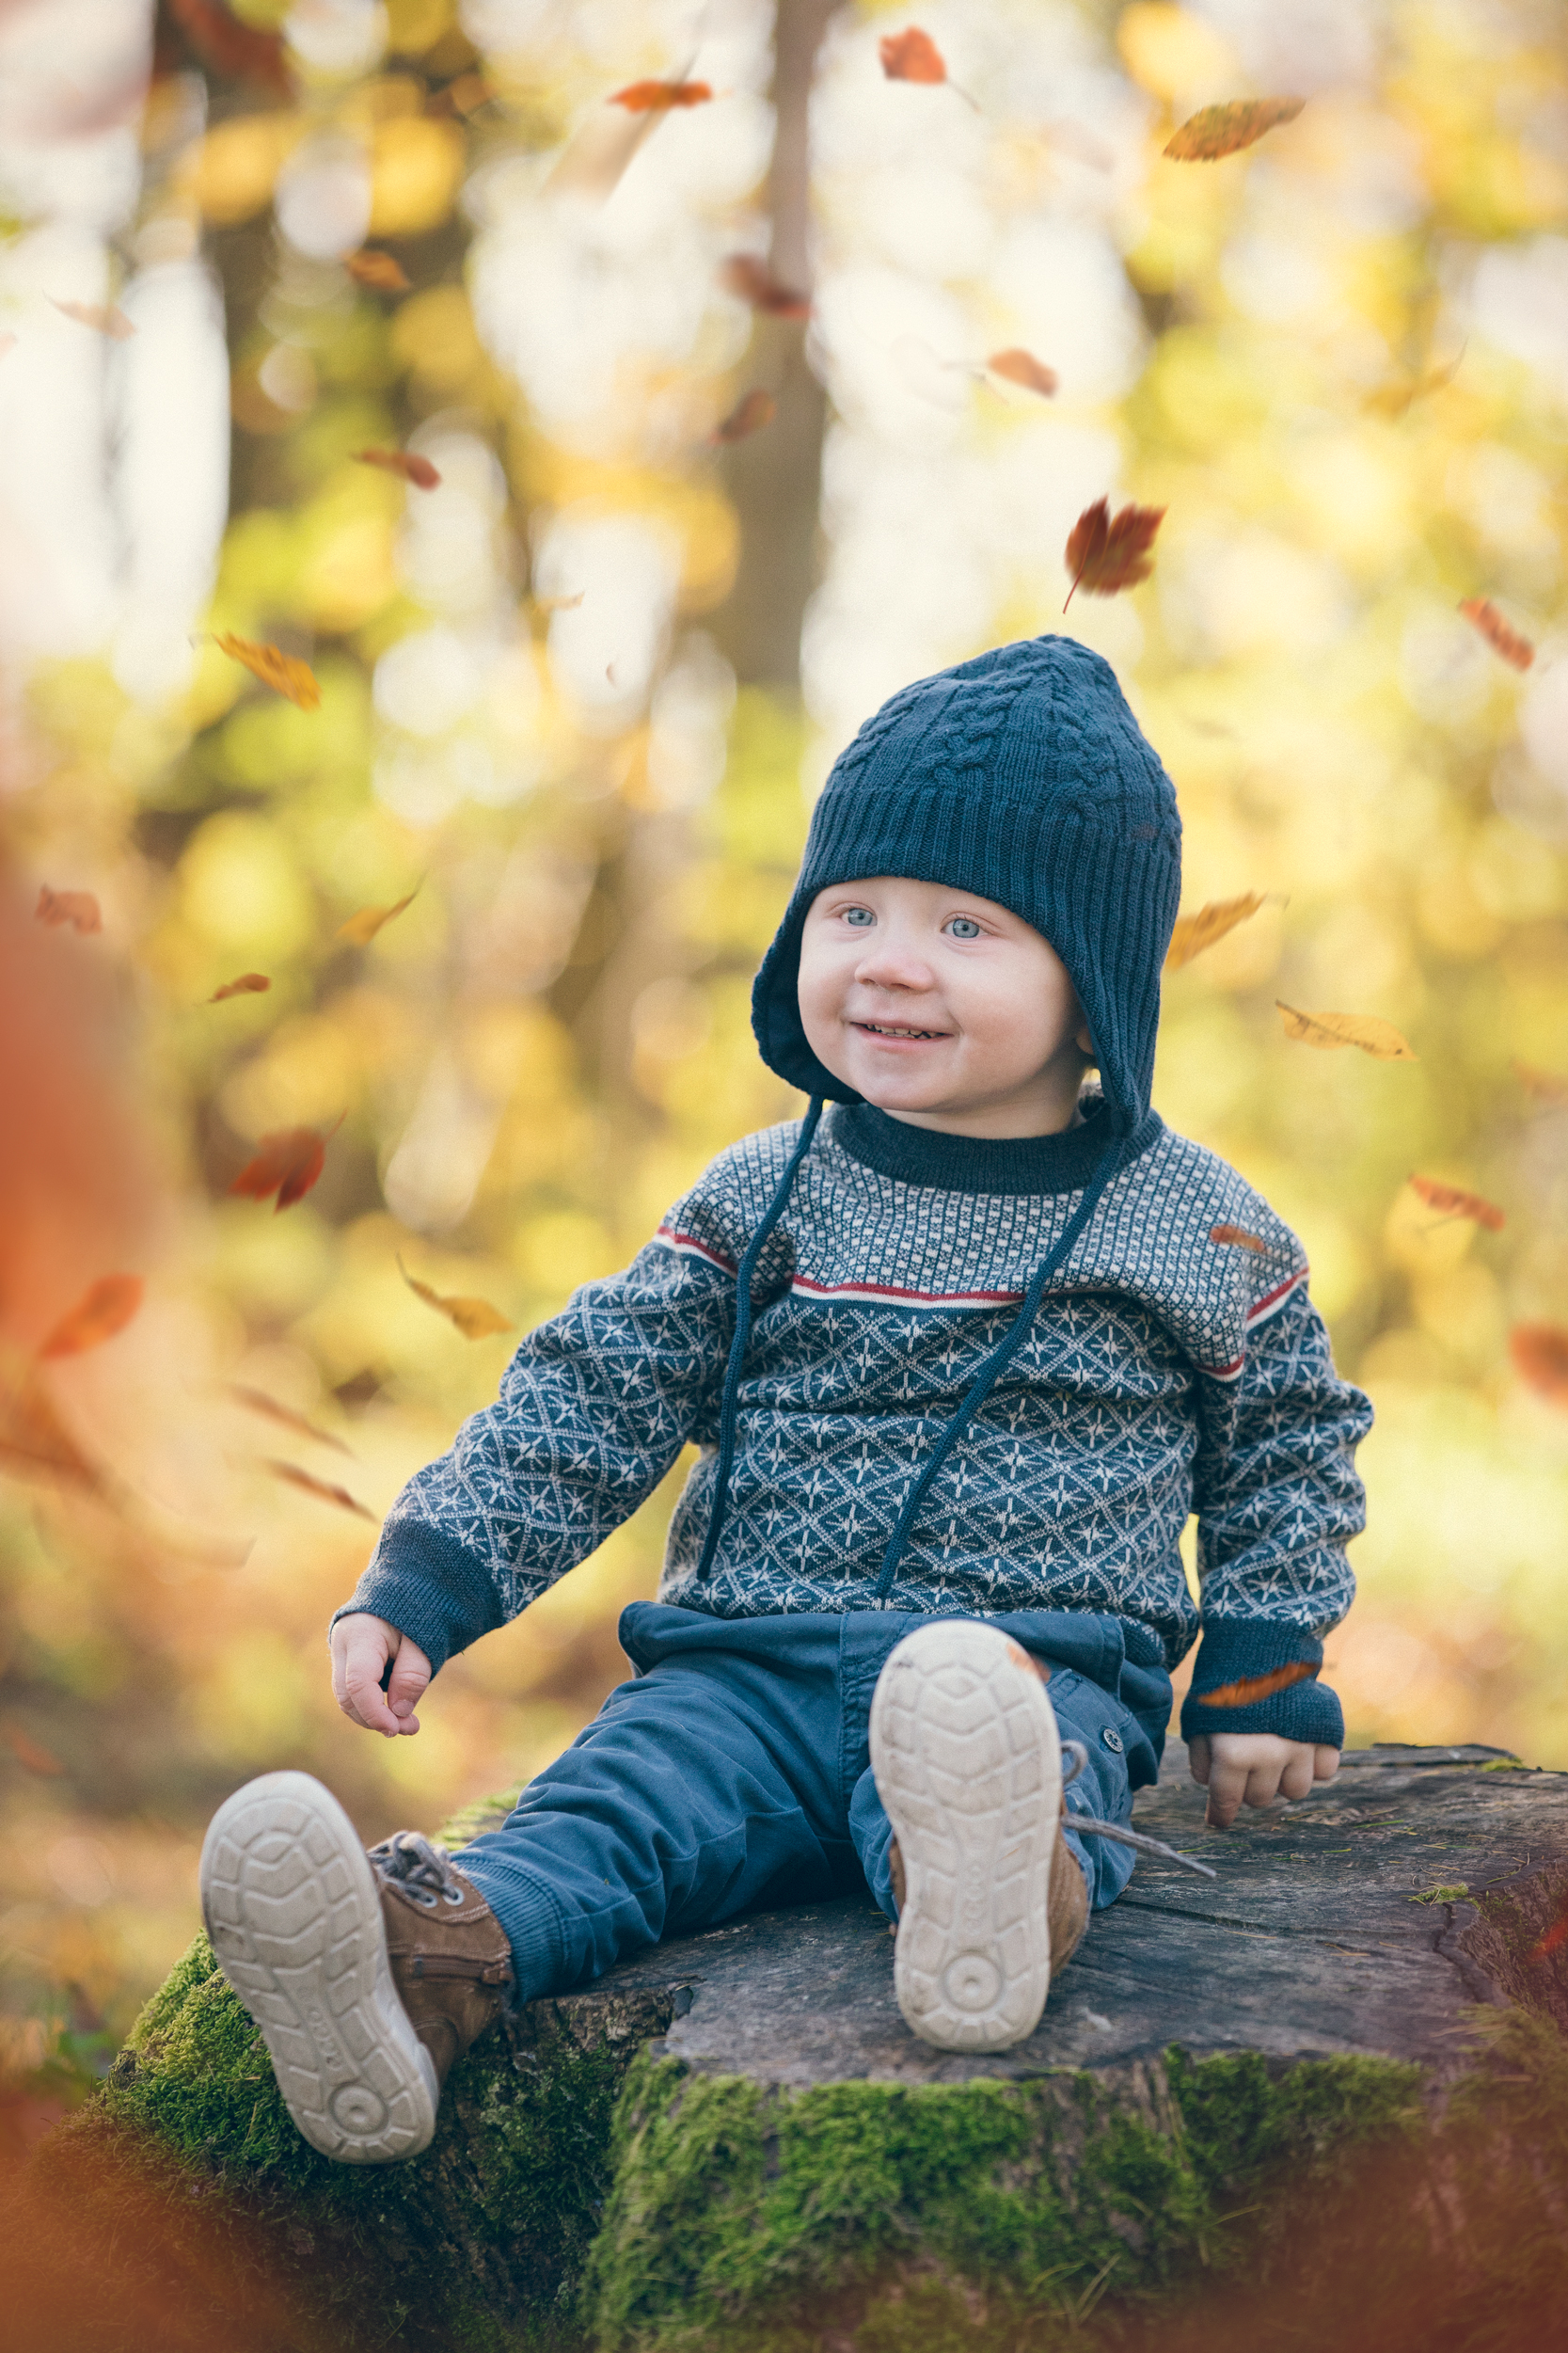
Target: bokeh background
578,699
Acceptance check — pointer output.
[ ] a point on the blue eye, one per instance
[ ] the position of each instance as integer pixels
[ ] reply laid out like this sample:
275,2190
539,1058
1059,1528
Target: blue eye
859,916
964,928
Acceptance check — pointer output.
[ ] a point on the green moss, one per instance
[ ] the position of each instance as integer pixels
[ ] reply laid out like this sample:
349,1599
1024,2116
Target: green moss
737,2210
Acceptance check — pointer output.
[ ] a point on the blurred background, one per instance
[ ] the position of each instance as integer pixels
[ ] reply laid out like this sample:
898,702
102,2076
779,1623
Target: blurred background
575,699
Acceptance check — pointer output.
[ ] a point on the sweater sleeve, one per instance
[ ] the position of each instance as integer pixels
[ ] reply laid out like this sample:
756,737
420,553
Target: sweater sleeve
1278,1500
595,1407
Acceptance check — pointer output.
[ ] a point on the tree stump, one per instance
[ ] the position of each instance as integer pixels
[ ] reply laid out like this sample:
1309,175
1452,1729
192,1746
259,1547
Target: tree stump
1322,2098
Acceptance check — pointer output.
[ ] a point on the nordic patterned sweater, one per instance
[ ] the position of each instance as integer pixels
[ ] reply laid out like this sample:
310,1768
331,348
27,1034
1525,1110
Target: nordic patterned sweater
1164,1373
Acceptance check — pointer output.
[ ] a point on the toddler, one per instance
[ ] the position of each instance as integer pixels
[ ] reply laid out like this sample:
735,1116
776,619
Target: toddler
959,1355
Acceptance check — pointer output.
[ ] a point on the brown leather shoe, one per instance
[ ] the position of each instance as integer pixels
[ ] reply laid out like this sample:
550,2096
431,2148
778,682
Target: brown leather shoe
452,1964
367,1974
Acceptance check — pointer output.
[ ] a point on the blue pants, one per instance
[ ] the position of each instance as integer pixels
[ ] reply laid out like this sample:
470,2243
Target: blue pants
735,1770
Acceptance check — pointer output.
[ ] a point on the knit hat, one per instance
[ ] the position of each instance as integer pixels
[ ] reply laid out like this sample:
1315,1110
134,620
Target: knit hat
1022,776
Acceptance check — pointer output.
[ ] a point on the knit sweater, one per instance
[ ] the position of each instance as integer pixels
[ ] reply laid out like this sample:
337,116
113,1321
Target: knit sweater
1164,1373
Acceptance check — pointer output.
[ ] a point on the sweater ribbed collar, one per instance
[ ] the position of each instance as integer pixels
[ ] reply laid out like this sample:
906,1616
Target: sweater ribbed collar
968,1164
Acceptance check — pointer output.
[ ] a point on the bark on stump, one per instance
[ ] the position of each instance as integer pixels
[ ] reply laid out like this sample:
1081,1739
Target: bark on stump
1322,2099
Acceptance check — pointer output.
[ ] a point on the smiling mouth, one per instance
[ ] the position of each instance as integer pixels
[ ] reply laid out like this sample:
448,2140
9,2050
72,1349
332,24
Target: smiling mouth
894,1029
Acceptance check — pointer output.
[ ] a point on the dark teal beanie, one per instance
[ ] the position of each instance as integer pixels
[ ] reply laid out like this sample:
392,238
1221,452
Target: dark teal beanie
1022,776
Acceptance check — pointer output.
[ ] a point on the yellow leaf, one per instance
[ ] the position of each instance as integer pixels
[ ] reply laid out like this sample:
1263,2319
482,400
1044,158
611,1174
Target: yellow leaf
1193,934
1329,1031
361,929
282,672
476,1319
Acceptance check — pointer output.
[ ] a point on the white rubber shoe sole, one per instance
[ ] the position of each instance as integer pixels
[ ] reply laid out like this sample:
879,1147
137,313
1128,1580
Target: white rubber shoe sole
293,1910
967,1760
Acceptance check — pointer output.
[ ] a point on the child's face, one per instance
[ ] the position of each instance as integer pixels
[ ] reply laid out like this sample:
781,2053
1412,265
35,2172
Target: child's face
941,1009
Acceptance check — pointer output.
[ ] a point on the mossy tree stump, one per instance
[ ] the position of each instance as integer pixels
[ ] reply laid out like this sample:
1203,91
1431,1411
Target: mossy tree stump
1329,2087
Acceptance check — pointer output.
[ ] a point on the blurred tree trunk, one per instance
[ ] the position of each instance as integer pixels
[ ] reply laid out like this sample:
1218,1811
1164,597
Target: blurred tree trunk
773,480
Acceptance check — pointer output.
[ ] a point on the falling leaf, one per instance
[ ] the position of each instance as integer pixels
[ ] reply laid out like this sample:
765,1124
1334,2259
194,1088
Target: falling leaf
1540,1353
322,1488
912,57
1193,934
658,98
287,1163
379,271
1107,554
1254,1687
280,671
1556,1935
257,1400
558,604
1482,615
414,469
248,984
1237,1238
78,908
476,1319
107,318
1021,366
1455,1204
1545,1085
361,929
34,1442
31,1754
1394,398
1216,131
1379,1038
102,1311
756,409
744,275
360,1387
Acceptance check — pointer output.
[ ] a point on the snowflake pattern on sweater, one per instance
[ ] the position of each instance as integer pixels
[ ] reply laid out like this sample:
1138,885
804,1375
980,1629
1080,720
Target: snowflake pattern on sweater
1164,1373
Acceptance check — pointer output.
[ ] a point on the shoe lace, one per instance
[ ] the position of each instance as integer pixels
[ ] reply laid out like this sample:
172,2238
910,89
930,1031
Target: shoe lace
1088,1825
420,1869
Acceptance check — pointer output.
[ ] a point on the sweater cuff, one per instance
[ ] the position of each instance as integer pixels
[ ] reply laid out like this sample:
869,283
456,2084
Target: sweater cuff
430,1587
1240,1651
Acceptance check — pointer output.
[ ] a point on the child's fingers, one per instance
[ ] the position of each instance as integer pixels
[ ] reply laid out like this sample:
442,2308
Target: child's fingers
1296,1779
409,1676
358,1662
1198,1759
1325,1763
1227,1785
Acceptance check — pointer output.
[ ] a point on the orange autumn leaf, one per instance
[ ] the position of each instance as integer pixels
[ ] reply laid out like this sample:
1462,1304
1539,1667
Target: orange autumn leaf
77,908
1326,1031
658,98
476,1319
744,275
257,1400
1254,1687
1106,553
288,1162
248,984
1540,1353
1216,131
379,271
1193,934
414,469
1482,615
1545,1085
282,671
1237,1238
912,57
756,409
105,318
1021,366
30,1754
1454,1202
361,929
34,1442
1556,1935
1396,398
102,1311
322,1490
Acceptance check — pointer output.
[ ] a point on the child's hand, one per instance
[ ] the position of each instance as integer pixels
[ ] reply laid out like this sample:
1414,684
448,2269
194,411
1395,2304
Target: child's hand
1256,1767
361,1646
